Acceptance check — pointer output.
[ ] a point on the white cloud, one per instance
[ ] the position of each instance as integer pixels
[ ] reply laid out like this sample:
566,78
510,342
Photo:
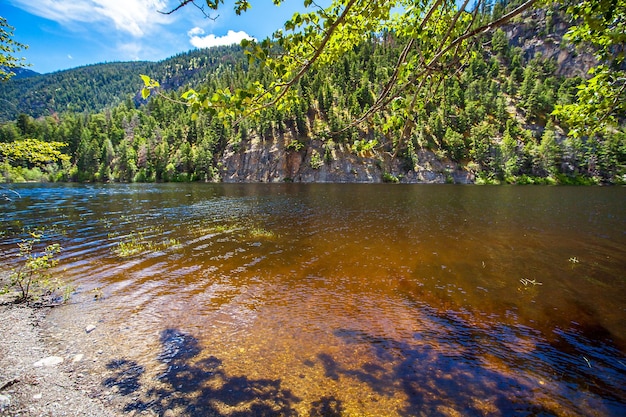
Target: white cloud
130,50
208,41
69,56
195,31
135,17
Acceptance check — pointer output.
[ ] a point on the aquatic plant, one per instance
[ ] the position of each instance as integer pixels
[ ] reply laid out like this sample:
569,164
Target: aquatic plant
106,223
133,246
258,232
211,229
220,228
237,227
527,282
137,243
68,290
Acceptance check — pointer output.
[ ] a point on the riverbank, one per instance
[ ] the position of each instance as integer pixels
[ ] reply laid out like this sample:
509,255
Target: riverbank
33,382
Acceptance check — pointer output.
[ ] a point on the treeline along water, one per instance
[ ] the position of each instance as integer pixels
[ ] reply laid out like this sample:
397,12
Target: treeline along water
348,299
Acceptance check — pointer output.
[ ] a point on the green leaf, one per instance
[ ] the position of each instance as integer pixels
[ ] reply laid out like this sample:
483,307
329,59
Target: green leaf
188,94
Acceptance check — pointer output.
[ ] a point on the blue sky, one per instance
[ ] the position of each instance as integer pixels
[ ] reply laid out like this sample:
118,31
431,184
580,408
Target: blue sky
65,34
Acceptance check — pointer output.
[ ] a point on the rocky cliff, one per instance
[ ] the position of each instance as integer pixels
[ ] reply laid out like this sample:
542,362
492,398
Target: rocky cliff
272,160
541,33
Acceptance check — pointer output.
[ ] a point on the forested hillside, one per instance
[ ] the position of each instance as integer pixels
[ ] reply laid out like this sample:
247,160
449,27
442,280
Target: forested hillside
96,87
491,121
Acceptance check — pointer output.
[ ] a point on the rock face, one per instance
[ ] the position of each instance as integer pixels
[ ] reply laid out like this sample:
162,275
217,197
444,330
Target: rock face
536,38
271,160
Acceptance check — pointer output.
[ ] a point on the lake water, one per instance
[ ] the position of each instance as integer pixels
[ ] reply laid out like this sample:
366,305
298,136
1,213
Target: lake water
341,299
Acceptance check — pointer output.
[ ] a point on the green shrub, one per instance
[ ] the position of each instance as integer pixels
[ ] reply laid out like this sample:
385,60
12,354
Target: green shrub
32,273
388,177
316,160
295,146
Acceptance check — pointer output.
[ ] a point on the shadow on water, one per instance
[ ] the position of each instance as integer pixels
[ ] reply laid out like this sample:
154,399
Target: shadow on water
126,376
428,381
200,387
435,384
468,381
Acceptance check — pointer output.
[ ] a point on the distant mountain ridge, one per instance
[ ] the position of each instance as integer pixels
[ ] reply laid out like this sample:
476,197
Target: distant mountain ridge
23,73
93,88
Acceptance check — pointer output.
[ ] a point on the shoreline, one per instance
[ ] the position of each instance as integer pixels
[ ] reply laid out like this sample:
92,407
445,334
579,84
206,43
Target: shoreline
33,382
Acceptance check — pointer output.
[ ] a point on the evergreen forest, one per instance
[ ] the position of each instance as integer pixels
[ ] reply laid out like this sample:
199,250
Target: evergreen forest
492,118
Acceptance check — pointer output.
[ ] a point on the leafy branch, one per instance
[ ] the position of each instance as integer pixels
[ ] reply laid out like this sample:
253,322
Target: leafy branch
437,33
8,48
601,103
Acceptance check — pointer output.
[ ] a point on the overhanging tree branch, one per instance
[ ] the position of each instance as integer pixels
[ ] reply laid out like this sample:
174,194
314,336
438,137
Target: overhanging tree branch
285,87
184,3
385,96
310,37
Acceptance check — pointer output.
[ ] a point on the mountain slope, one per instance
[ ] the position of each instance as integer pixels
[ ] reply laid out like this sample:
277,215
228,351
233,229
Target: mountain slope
95,87
489,122
23,73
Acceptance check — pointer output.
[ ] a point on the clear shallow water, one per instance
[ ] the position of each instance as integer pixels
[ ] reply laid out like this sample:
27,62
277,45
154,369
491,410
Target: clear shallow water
345,299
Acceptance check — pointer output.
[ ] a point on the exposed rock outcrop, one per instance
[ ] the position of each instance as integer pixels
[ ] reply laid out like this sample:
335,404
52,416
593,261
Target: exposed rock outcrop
542,34
271,160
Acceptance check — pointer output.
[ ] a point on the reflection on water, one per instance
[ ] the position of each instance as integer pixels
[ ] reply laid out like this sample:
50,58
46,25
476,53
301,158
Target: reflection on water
328,300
